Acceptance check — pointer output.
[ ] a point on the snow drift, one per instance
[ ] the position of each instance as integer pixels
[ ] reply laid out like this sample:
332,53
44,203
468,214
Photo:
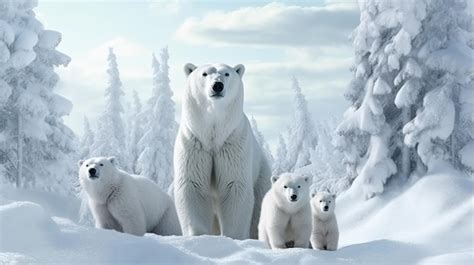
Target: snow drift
429,222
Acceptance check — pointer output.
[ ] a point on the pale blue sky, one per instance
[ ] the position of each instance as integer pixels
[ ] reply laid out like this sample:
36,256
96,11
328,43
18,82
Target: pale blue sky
274,40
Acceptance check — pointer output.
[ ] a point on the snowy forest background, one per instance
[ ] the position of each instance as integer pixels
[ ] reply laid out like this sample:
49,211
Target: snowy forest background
373,98
411,105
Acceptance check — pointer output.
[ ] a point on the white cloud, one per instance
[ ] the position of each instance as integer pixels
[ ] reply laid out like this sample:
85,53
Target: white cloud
274,24
316,49
166,6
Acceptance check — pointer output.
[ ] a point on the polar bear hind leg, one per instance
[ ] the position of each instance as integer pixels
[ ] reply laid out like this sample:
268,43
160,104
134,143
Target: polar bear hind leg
169,223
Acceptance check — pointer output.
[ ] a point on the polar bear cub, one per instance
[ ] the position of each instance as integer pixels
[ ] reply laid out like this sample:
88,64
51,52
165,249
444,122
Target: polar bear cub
325,233
126,203
285,219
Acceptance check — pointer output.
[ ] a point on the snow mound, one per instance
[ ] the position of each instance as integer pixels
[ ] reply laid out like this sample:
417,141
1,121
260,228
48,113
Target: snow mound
436,212
24,226
428,222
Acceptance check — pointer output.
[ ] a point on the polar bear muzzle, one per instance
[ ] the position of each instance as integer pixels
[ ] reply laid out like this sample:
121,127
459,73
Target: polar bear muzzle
217,89
93,173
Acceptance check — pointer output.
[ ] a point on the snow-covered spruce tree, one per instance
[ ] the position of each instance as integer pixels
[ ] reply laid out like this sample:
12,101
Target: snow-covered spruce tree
110,136
370,124
261,141
302,134
443,95
136,132
326,168
280,163
393,71
37,149
87,139
156,159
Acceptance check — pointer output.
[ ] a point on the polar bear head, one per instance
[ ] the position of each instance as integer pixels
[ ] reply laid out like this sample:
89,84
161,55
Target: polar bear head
97,172
291,190
323,203
215,85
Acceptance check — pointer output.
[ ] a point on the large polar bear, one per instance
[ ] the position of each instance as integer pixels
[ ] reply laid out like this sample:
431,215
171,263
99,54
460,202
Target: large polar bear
286,212
125,203
221,174
325,234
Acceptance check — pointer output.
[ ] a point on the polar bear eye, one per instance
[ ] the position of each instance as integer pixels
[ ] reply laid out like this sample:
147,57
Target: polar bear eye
285,187
299,187
226,74
87,165
204,74
101,165
321,201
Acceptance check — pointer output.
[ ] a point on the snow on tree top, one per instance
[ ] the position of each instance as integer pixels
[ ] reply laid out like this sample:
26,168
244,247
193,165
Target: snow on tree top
49,39
26,40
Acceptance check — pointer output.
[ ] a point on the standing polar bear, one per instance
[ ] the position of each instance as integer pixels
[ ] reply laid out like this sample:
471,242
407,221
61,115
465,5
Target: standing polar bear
325,234
286,212
221,174
125,203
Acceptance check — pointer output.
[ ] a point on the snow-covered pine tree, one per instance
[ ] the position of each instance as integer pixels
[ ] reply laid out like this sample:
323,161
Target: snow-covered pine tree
87,139
370,124
156,159
302,134
326,168
38,149
136,132
443,95
395,67
110,135
261,141
280,163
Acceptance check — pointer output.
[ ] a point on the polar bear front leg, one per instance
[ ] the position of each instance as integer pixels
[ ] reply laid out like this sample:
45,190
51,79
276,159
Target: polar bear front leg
302,225
129,215
235,189
102,217
318,241
276,233
302,236
192,192
332,239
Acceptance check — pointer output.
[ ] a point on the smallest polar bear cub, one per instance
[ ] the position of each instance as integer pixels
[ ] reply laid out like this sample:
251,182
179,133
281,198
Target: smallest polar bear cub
325,234
125,203
285,219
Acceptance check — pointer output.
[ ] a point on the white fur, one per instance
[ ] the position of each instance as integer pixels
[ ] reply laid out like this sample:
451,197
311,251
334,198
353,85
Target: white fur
126,203
221,174
325,233
284,222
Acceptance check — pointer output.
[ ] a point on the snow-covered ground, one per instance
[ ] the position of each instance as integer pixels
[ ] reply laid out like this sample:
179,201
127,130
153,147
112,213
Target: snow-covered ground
431,222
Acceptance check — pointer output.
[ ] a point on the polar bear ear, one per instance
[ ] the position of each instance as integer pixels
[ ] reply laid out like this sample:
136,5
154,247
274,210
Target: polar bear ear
313,194
334,196
80,162
274,179
112,159
240,69
308,178
189,68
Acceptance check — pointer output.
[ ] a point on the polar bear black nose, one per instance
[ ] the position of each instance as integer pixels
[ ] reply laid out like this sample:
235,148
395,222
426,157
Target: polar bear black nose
293,197
92,171
326,208
218,87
